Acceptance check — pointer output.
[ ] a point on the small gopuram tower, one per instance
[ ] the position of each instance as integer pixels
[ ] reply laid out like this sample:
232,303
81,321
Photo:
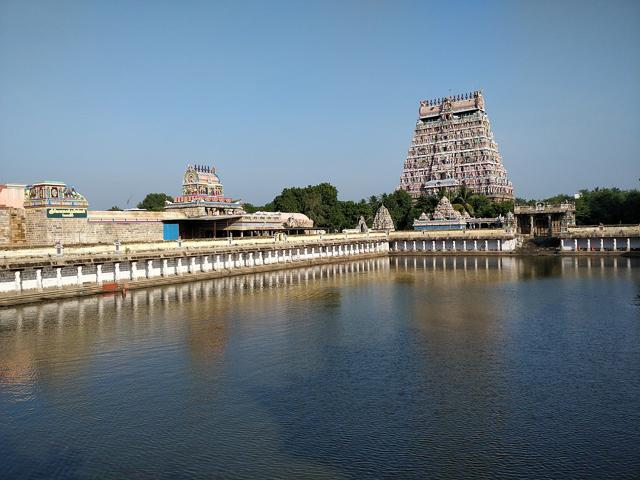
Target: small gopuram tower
453,146
202,194
383,220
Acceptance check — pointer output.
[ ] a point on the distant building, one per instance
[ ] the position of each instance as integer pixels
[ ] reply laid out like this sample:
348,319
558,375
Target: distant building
545,220
203,194
202,211
453,146
445,217
12,195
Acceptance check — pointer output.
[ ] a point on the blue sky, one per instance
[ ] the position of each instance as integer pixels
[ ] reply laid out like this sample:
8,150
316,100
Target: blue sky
117,97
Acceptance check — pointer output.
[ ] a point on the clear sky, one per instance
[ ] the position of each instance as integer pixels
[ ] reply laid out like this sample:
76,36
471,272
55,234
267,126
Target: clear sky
117,97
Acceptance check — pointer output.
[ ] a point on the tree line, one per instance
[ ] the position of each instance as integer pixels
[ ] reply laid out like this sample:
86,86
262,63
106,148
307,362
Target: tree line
321,204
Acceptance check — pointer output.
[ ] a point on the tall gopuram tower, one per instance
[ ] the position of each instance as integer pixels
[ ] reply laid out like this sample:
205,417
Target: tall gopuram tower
453,146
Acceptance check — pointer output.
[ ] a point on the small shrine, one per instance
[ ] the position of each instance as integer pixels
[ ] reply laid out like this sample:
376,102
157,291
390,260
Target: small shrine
383,220
60,200
203,194
445,217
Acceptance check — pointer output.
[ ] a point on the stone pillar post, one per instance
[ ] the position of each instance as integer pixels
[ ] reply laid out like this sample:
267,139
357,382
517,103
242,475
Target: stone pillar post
531,223
116,271
550,225
179,266
444,245
229,261
165,267
499,245
475,245
414,246
588,244
18,280
433,245
79,278
134,272
39,278
628,244
575,244
192,265
486,245
98,275
464,245
405,246
602,244
149,268
453,245
615,244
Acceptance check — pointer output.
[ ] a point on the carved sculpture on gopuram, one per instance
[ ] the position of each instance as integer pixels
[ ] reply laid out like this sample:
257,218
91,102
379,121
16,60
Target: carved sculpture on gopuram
383,220
453,146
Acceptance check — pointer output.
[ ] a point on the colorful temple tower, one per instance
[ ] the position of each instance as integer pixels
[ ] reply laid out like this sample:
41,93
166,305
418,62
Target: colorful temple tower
453,146
202,194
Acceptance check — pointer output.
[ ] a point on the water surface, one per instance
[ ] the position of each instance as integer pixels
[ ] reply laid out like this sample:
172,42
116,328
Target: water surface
415,367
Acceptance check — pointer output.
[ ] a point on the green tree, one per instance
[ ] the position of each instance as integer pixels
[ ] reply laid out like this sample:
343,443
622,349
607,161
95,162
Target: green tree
115,208
462,197
155,202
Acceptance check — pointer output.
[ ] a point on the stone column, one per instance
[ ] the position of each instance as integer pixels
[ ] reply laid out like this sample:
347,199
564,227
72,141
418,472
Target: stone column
475,245
192,265
179,266
486,245
414,246
602,244
79,278
531,224
39,278
134,272
116,271
453,245
588,244
164,268
150,268
628,244
433,245
499,245
464,245
575,244
98,275
444,245
615,244
18,280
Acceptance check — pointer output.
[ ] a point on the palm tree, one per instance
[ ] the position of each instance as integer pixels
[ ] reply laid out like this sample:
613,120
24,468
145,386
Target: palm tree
462,197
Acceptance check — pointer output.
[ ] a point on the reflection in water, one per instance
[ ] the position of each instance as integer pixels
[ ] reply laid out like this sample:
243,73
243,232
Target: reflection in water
405,366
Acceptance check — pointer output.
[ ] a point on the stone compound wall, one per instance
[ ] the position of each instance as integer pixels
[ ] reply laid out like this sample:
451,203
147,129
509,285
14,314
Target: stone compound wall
97,228
5,226
12,224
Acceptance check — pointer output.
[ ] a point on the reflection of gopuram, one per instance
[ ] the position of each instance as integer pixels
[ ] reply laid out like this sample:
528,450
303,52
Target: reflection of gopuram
453,146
